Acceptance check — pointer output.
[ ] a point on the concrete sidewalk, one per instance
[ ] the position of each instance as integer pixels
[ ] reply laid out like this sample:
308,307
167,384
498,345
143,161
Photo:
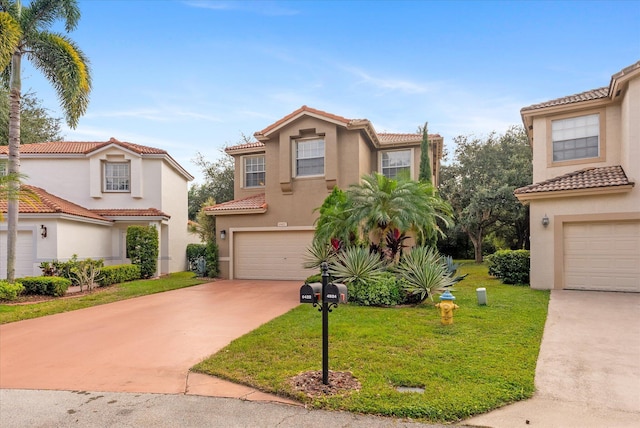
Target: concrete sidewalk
588,370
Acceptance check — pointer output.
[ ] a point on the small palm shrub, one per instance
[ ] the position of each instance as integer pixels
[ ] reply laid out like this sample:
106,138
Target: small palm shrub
511,266
87,273
424,273
356,264
384,290
10,291
319,252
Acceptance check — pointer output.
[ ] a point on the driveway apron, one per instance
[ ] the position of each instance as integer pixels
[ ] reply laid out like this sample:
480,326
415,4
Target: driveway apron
588,370
146,344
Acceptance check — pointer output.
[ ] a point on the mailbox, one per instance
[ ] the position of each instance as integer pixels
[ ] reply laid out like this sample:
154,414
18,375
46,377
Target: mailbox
336,293
311,293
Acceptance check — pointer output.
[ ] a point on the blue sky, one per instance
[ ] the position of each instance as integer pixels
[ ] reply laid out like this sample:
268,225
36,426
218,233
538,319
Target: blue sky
191,76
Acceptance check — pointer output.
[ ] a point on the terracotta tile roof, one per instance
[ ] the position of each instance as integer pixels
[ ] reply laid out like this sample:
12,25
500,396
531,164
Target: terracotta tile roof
254,145
588,178
297,112
593,94
121,212
389,138
51,204
254,202
80,147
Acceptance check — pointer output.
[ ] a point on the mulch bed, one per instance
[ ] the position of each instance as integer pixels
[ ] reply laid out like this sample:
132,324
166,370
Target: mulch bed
310,383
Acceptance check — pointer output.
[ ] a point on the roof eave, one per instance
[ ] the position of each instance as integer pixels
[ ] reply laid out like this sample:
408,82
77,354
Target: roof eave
261,210
593,191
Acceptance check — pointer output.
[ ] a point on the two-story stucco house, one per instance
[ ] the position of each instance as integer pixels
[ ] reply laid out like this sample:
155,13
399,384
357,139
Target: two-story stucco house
585,206
288,172
90,192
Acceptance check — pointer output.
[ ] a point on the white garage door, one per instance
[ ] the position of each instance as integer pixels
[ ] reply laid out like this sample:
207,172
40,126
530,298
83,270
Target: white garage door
24,254
271,255
602,256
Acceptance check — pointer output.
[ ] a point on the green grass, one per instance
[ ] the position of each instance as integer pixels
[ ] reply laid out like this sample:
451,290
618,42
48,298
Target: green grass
485,360
127,290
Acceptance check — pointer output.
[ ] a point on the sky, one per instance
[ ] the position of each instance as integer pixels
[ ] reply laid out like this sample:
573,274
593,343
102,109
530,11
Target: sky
193,76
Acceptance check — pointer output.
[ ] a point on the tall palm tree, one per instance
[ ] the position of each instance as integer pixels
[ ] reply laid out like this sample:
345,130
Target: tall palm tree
382,206
24,32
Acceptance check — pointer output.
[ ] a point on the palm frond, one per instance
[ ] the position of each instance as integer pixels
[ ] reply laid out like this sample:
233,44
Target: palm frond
10,35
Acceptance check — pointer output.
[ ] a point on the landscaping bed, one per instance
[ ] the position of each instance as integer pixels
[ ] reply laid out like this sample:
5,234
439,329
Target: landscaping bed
485,360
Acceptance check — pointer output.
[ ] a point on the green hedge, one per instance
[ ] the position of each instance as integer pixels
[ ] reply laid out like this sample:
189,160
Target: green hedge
511,266
45,285
117,274
384,290
142,248
10,291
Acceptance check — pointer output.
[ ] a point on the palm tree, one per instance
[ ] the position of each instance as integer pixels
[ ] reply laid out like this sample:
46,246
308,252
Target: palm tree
24,32
383,207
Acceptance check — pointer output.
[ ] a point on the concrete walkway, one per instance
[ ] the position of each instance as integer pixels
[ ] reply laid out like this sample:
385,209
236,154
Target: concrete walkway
588,370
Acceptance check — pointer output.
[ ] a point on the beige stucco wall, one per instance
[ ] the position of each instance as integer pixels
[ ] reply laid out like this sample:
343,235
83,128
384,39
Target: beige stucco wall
154,184
622,147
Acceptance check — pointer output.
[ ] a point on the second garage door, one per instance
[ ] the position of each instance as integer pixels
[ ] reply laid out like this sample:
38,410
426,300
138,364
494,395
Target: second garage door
271,255
602,256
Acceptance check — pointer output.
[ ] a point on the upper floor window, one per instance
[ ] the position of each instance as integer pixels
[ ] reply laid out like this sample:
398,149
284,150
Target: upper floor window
309,157
396,162
254,171
117,177
576,138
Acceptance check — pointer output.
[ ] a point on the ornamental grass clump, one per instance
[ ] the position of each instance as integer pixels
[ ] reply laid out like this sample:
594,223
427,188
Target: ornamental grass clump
424,273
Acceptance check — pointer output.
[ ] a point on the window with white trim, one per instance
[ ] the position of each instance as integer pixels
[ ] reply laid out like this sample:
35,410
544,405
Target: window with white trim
117,177
4,169
309,157
254,171
576,138
396,162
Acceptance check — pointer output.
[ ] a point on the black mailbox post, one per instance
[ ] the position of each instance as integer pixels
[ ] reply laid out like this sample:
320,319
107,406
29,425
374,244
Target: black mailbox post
326,295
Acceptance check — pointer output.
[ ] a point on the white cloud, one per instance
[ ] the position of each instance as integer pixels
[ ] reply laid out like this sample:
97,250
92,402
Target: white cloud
269,8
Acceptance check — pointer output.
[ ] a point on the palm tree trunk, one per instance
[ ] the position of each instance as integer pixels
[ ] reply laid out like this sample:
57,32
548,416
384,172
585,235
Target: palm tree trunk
15,89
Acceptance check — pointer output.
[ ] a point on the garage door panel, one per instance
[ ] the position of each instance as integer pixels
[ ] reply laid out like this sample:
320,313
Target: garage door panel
602,256
271,254
24,254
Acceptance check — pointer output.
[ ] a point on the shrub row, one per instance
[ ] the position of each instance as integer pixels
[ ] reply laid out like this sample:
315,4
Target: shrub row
10,291
118,273
511,266
45,285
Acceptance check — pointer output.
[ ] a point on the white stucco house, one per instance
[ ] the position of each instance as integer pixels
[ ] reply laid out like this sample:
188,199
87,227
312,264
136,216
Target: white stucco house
90,192
585,202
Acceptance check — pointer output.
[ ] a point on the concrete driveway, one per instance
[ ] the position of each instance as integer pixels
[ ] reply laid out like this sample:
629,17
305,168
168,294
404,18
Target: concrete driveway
588,370
146,344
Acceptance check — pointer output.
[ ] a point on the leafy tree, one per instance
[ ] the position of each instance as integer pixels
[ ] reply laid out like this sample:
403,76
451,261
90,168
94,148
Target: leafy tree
218,185
425,163
36,125
479,185
24,32
335,221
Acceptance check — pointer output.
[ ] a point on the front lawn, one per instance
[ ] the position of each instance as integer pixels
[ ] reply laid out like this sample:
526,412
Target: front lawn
113,293
485,360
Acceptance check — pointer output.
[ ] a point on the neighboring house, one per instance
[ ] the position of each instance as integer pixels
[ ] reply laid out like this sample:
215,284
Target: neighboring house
90,192
287,173
585,205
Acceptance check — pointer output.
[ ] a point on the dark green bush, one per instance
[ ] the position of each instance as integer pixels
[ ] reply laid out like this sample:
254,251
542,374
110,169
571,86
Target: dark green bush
10,291
117,274
142,248
511,266
63,269
211,257
384,290
45,285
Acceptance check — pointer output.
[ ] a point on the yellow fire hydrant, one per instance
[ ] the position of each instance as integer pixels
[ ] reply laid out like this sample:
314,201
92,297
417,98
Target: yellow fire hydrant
446,307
